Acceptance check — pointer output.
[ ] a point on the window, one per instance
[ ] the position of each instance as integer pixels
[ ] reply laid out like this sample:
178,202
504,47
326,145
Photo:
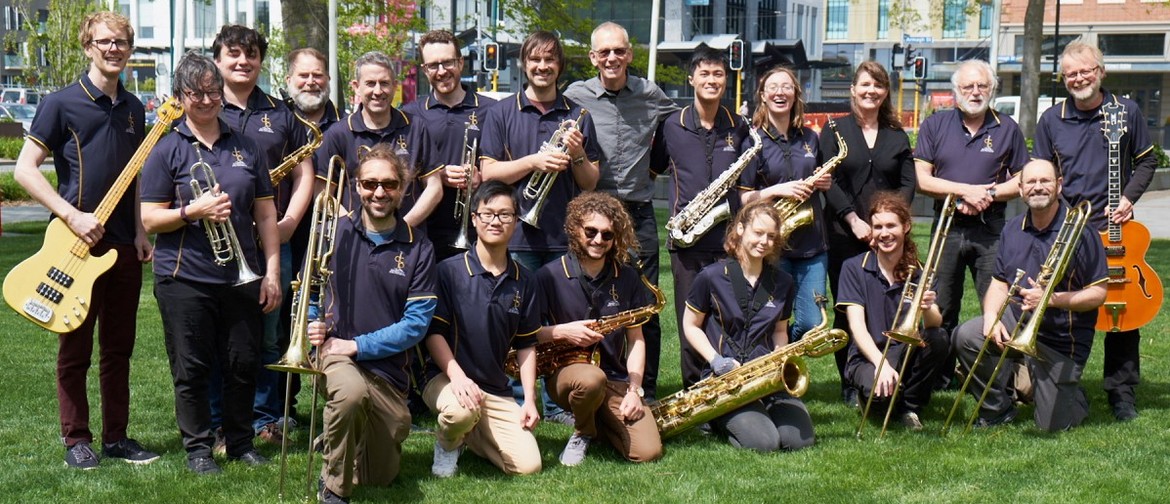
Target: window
883,27
838,28
735,16
701,19
1132,44
146,32
954,19
1046,48
986,12
203,14
766,20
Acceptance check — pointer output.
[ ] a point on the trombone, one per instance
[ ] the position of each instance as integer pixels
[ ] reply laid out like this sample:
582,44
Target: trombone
908,318
225,244
541,182
307,290
463,197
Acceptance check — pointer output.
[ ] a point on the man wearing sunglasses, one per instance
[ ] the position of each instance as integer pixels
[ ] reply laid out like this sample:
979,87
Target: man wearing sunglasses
595,280
626,111
374,320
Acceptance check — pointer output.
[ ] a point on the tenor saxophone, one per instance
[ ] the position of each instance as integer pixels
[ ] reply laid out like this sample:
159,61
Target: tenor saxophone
793,213
709,207
554,355
303,152
716,396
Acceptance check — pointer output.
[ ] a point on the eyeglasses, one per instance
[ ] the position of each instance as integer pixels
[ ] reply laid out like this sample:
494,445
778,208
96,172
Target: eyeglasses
1081,73
488,217
620,52
373,185
592,232
775,88
446,64
982,86
199,96
105,44
1039,182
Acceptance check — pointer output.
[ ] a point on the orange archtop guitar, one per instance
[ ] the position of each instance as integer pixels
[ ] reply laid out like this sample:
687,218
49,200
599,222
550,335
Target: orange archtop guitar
1134,291
53,287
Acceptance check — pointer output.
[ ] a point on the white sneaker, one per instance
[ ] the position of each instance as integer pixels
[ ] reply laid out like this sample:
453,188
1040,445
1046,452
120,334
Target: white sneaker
292,423
446,462
574,452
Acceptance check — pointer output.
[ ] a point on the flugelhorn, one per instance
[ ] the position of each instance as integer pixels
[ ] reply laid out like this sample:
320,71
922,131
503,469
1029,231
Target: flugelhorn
303,152
793,212
541,182
225,244
908,318
463,196
1027,328
710,207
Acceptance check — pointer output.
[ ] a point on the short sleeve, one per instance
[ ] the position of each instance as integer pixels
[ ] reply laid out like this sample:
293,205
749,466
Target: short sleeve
699,299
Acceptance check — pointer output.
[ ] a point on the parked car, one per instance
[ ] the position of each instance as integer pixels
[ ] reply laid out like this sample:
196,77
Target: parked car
149,100
22,114
21,95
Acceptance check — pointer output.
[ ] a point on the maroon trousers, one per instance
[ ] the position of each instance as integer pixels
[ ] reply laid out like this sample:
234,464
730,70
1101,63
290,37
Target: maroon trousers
115,308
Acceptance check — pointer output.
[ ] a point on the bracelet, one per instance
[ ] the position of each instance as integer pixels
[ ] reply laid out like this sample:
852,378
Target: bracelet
183,214
578,161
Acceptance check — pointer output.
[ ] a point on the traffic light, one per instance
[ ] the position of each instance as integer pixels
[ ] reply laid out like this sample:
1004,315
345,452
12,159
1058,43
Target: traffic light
897,57
920,68
491,56
735,54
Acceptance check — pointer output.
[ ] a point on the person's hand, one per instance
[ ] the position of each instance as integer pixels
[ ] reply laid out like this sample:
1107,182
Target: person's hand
529,417
794,189
824,183
575,143
722,365
467,393
269,291
578,333
86,226
549,161
1122,214
144,248
631,408
996,331
337,346
976,197
212,205
1030,297
317,332
885,382
928,299
861,230
456,175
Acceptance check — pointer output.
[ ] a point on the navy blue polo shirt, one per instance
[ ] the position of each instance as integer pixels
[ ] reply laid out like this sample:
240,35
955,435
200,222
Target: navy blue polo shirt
695,156
351,139
92,139
785,158
1073,140
482,316
515,128
570,295
270,123
445,126
332,116
713,296
242,172
1022,246
863,284
994,153
372,284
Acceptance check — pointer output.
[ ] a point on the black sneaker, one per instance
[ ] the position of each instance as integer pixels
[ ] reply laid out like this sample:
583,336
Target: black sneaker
130,451
850,396
81,456
203,466
1004,418
1124,412
326,496
251,458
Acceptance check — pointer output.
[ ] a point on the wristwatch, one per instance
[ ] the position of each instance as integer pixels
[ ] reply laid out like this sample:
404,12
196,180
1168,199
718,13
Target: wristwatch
991,192
639,391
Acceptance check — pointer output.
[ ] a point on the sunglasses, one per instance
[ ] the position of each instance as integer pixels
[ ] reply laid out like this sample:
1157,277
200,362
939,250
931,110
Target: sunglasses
373,185
591,233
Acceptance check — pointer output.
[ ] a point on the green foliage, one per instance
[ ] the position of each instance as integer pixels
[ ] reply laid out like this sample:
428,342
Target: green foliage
571,20
1160,155
10,147
10,190
375,25
58,39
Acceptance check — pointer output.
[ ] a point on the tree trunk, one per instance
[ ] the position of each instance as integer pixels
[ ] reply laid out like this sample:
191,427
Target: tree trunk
1030,73
305,24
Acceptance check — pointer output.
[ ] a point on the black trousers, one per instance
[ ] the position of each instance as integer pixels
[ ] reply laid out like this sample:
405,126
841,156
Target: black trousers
202,324
686,264
841,248
1122,366
646,229
918,382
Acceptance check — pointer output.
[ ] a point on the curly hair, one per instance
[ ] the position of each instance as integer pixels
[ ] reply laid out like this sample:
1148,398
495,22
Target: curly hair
743,219
892,202
593,202
887,117
247,39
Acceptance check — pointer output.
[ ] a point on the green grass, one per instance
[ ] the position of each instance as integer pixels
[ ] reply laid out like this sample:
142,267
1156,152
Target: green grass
1101,461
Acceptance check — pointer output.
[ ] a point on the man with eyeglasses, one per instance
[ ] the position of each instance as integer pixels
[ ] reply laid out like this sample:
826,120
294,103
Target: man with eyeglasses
448,112
488,305
1072,135
92,128
239,53
626,111
971,152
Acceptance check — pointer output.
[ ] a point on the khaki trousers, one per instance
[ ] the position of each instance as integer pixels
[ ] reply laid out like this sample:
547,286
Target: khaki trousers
492,432
366,421
596,405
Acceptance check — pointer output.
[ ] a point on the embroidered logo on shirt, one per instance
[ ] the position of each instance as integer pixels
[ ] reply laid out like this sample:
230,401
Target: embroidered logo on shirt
730,147
473,121
399,264
401,151
808,150
267,124
987,145
516,302
613,297
239,157
362,151
770,304
130,128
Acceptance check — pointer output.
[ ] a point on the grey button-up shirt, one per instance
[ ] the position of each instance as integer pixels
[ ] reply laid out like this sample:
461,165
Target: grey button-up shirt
624,123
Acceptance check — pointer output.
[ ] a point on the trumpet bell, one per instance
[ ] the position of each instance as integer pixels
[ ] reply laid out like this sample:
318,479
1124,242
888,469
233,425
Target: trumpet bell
461,241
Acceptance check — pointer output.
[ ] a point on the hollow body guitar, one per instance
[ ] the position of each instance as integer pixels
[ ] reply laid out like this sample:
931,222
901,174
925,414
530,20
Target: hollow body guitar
53,287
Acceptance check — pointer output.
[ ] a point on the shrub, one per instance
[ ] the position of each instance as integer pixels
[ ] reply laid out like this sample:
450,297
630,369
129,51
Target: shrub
10,190
10,147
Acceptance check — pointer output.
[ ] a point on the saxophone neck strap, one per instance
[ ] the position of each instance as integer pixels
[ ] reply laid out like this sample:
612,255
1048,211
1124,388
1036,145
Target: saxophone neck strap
749,302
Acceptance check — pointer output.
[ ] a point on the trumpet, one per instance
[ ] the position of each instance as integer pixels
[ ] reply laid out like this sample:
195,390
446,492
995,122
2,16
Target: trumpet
303,152
709,207
793,213
908,318
463,197
225,244
540,182
1027,329
307,290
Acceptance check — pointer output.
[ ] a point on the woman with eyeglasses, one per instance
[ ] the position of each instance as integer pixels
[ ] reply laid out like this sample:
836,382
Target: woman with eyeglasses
879,160
737,311
211,314
790,154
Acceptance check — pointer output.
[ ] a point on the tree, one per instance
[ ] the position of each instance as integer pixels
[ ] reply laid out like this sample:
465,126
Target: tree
49,41
1030,71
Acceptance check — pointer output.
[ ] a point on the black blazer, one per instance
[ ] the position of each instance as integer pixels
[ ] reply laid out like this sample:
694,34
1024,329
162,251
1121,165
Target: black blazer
889,166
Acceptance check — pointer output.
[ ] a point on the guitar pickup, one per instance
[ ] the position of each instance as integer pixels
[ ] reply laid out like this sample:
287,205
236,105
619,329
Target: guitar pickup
1115,251
50,293
60,277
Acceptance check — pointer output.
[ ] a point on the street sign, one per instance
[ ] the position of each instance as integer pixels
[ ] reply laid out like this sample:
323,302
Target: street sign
913,39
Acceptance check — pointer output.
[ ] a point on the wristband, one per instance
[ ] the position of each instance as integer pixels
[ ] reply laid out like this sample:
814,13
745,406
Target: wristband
577,161
183,214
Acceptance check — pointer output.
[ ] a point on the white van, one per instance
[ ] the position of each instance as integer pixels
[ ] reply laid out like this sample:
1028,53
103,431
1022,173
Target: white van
21,95
1010,106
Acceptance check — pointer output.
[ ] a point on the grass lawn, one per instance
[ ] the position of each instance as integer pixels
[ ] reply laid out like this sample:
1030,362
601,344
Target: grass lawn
1101,461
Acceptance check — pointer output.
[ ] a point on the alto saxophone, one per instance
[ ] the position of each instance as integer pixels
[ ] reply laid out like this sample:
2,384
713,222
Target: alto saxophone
541,182
463,196
793,213
303,152
716,396
554,355
709,207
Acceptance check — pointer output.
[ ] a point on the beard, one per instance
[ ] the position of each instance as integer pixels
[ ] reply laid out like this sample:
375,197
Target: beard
308,102
1040,201
969,109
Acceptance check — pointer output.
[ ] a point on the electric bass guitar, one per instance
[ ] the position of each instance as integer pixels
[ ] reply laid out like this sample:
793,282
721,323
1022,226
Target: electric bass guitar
53,287
1134,291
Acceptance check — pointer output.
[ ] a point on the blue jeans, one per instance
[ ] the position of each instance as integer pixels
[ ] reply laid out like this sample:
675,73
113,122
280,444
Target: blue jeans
532,261
809,275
